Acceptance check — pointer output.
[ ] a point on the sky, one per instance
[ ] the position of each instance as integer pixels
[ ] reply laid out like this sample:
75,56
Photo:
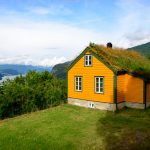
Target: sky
47,32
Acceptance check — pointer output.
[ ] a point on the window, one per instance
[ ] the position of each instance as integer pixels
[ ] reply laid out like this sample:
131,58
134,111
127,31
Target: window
91,105
78,83
88,60
99,84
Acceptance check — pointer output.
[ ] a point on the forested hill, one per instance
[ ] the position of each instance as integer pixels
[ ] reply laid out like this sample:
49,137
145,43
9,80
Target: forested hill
143,49
60,70
1,76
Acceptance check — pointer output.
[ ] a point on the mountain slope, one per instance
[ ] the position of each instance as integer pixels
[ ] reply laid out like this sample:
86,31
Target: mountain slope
1,76
60,70
143,49
69,127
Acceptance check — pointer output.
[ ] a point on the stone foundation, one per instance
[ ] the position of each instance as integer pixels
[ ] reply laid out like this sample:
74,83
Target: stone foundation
131,105
92,104
105,106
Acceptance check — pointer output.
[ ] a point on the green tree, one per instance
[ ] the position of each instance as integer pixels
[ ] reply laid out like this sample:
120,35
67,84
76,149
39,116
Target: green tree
32,92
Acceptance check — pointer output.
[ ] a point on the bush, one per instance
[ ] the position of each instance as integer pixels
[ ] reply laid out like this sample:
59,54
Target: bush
35,91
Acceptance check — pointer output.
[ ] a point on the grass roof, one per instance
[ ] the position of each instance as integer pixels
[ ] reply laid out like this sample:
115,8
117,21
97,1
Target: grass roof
122,60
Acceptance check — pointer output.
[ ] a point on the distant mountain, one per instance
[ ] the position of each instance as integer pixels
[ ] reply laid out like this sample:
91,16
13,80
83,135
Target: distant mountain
1,76
11,69
143,49
8,71
60,70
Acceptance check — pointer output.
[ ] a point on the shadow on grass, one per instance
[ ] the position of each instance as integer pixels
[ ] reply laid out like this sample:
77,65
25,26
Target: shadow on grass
125,130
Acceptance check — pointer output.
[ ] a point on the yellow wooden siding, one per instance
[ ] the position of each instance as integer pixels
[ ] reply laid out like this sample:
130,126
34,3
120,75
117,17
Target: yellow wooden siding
134,89
88,83
120,88
129,89
148,92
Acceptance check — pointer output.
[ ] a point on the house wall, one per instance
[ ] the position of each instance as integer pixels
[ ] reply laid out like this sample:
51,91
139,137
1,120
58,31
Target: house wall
129,89
121,88
88,74
148,92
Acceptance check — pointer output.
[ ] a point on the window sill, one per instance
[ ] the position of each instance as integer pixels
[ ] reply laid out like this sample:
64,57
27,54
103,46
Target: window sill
99,92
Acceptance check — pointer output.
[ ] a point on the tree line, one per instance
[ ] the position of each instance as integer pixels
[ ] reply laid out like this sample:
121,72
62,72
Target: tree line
32,92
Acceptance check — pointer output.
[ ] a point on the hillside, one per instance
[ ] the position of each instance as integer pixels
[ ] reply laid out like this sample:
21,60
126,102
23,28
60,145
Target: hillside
8,71
11,69
143,49
1,76
60,70
76,128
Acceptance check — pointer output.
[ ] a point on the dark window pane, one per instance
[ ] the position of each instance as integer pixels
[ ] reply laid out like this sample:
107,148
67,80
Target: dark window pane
90,63
76,79
97,84
79,83
101,79
101,89
79,87
97,79
90,58
86,63
97,89
86,58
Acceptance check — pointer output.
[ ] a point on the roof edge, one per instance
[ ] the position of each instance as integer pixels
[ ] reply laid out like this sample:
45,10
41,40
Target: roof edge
120,72
77,58
94,54
102,61
132,74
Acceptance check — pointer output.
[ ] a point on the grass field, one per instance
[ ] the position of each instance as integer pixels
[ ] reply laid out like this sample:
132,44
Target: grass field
71,127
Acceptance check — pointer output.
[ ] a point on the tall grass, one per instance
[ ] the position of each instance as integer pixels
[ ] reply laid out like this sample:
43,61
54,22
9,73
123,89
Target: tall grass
123,60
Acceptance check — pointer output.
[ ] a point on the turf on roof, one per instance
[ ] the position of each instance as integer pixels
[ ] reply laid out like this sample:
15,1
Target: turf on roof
122,60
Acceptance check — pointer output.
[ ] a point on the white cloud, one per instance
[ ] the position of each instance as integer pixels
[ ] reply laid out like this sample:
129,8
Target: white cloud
15,60
51,62
133,23
28,60
48,42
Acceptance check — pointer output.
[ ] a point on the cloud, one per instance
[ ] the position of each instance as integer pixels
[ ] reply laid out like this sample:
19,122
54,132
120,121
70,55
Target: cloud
137,36
28,60
47,43
51,62
133,22
27,39
37,36
15,60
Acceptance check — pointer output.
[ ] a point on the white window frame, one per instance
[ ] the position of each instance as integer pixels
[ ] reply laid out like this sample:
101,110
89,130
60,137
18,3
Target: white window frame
78,86
100,87
88,60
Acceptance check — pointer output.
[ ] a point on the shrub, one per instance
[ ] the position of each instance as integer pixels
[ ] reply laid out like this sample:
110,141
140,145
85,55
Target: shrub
32,92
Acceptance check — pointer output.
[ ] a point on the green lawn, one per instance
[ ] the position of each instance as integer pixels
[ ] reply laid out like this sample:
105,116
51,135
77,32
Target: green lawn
71,127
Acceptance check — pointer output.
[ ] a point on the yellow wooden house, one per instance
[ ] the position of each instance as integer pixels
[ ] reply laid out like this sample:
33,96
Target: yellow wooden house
109,78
